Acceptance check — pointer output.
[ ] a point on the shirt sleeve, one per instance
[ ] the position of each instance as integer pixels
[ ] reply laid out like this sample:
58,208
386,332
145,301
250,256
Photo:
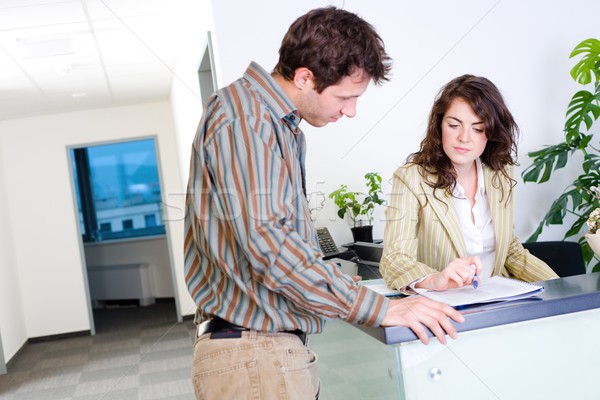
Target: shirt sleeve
519,262
255,185
523,265
399,266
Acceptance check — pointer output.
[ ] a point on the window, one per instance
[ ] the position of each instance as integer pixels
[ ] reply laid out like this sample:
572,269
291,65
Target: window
150,220
118,190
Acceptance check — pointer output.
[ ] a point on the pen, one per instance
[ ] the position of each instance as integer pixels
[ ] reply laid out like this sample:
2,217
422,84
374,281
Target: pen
475,278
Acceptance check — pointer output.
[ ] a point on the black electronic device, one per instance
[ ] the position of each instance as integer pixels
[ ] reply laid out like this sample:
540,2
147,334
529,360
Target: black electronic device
328,246
369,252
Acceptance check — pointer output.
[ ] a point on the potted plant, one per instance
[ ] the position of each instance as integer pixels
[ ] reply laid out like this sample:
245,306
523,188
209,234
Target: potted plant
593,223
359,206
582,112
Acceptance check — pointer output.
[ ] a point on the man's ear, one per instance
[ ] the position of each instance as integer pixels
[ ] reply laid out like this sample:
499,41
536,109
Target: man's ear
302,76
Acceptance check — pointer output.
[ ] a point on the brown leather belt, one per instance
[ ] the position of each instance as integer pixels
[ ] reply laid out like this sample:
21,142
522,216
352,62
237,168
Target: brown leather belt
222,329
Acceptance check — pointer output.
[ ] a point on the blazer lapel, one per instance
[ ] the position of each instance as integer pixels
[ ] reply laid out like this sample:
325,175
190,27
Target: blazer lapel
446,213
498,212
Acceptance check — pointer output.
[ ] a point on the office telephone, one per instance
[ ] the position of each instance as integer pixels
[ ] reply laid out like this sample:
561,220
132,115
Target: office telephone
328,246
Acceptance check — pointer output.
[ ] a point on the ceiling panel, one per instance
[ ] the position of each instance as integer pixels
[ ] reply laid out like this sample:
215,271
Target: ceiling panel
57,56
41,15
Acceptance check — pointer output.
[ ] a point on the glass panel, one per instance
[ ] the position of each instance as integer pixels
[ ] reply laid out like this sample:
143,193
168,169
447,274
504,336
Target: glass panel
125,190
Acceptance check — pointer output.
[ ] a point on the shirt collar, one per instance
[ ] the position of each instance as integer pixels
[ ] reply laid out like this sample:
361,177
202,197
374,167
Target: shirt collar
458,190
272,94
480,178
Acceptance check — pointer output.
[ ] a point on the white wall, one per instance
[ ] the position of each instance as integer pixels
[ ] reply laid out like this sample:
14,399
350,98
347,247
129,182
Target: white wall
185,91
523,47
42,218
186,106
12,318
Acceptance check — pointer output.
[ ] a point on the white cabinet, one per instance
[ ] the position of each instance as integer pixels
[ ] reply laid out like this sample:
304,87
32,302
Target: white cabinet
121,282
548,358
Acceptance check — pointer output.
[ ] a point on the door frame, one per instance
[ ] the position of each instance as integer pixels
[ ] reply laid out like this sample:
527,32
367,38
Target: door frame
82,258
2,362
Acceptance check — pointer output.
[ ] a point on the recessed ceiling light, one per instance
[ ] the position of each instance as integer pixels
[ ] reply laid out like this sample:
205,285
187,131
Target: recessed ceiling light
45,46
79,94
62,69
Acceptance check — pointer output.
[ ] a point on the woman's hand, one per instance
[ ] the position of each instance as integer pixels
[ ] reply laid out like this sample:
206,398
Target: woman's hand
458,273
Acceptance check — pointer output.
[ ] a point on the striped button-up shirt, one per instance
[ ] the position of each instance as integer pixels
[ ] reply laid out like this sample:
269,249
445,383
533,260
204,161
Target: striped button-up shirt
251,250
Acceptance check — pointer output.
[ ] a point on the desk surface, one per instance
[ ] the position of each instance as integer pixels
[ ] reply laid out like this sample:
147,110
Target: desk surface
560,296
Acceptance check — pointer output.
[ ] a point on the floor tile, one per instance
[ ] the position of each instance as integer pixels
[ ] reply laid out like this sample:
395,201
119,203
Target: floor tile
143,354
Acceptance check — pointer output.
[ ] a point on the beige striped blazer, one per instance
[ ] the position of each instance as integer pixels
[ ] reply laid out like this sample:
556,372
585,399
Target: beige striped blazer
423,234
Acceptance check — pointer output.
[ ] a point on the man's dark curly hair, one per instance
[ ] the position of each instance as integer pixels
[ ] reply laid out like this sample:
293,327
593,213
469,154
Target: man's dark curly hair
332,43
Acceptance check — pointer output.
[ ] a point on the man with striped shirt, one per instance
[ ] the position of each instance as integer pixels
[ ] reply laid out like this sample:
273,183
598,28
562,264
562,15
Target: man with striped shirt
252,260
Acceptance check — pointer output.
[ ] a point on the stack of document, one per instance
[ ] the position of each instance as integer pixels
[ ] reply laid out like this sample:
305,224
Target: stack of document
379,286
495,288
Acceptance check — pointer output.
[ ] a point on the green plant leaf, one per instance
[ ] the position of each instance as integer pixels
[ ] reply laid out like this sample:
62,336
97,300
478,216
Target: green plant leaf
585,140
582,108
562,160
557,211
587,67
575,198
534,236
556,155
591,163
547,170
531,174
576,227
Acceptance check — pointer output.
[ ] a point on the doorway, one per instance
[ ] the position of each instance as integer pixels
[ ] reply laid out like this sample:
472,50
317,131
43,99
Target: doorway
124,245
206,72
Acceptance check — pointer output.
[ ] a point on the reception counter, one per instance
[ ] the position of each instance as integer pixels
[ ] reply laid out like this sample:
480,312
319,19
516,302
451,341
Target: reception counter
546,347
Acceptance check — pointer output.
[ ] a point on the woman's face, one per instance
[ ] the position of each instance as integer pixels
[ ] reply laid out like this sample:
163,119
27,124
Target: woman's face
463,134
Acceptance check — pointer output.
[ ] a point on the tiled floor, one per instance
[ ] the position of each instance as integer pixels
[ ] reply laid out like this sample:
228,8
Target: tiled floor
142,353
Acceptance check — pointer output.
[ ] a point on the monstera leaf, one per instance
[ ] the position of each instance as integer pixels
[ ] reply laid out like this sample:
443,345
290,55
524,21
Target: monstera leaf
583,111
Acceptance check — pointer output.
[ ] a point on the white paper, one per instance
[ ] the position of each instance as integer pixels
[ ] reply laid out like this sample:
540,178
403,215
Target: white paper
379,286
495,288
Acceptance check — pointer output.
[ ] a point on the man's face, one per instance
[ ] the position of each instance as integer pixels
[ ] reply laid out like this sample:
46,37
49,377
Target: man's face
334,102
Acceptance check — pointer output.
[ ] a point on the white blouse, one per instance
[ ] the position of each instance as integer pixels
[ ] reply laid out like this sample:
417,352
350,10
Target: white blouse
479,237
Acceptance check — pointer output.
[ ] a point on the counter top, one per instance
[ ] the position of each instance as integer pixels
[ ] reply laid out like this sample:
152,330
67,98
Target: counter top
560,296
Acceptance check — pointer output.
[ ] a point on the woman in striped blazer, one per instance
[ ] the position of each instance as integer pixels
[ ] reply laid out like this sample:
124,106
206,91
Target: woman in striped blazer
451,210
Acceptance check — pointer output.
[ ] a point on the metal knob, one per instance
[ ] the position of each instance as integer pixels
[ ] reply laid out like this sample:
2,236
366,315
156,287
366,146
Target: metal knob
435,374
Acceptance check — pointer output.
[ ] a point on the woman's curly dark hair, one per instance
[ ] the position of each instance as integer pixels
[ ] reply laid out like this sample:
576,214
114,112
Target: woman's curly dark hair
501,131
332,43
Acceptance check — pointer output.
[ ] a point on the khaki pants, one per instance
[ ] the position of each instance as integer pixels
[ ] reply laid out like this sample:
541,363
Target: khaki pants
256,366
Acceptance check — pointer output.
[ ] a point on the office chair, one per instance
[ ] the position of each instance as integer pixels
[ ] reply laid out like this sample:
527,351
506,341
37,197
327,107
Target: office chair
565,258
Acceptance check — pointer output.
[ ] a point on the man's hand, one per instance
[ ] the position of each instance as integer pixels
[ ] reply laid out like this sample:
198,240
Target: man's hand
416,311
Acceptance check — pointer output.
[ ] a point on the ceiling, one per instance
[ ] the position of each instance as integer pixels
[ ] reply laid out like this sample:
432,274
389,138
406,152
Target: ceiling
58,56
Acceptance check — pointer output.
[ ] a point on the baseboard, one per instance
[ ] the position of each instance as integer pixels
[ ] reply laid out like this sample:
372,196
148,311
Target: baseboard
164,300
40,339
